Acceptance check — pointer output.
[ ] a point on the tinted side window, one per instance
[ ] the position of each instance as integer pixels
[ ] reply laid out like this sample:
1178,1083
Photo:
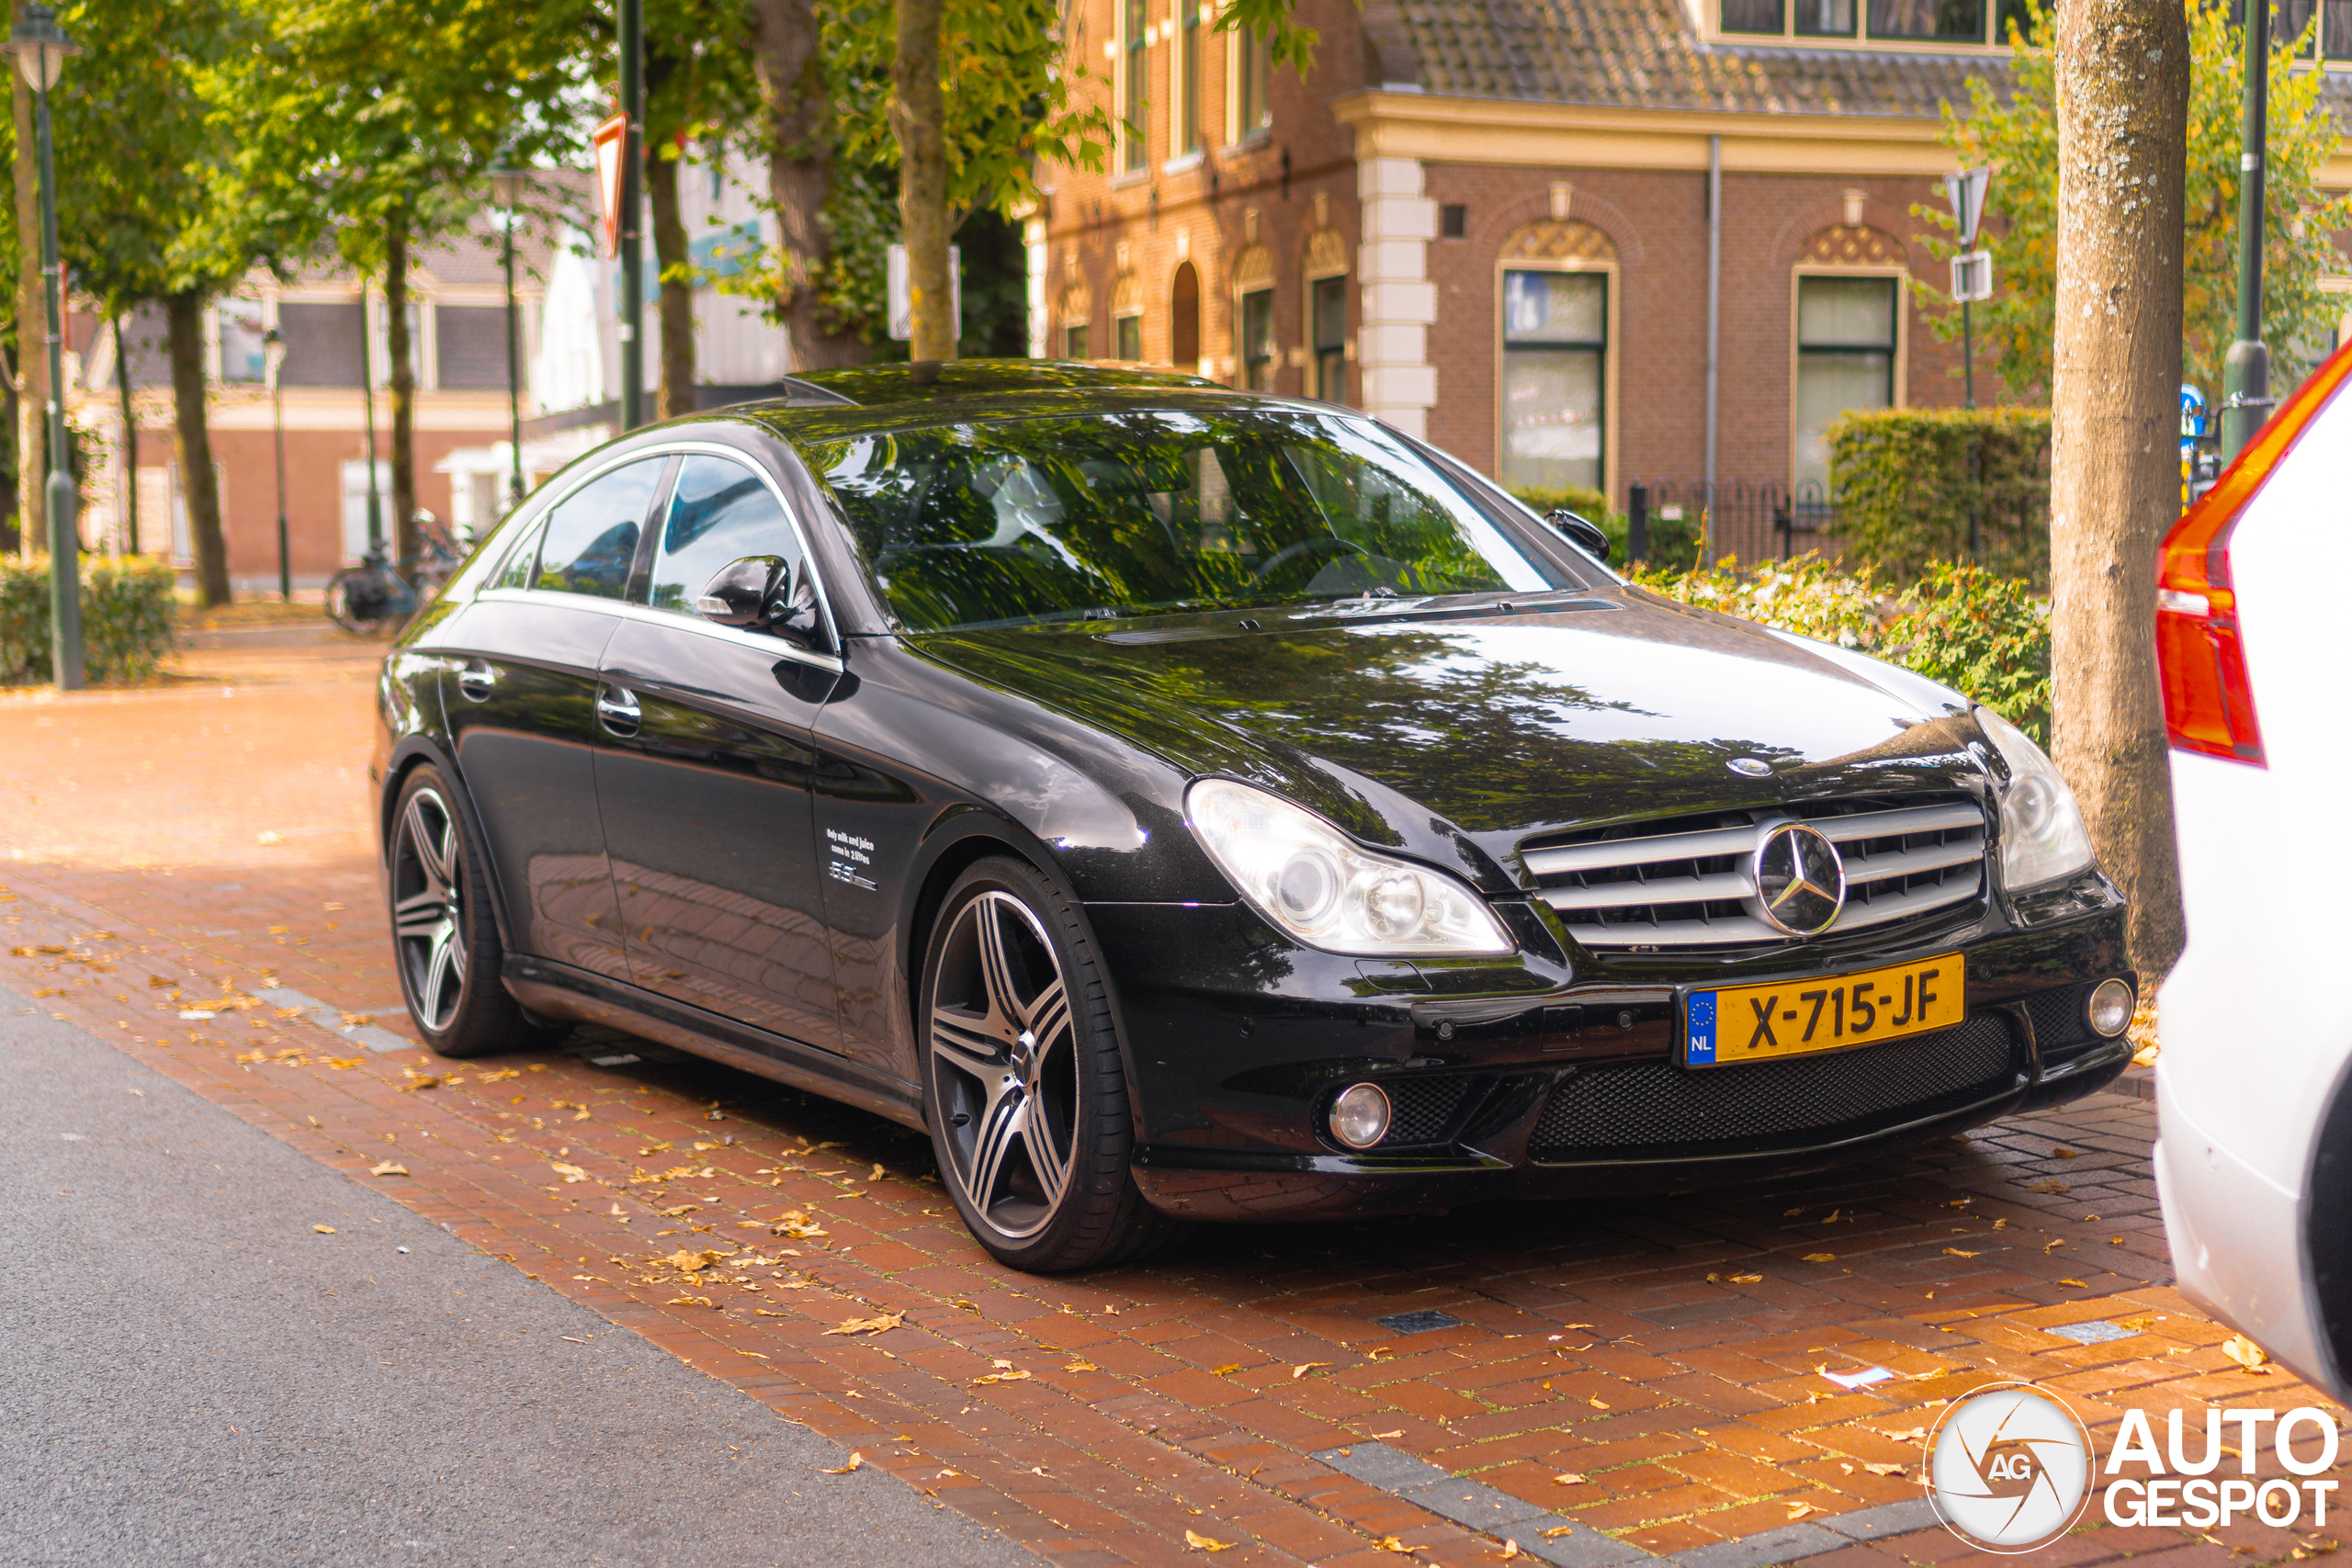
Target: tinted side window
591,535
719,512
516,572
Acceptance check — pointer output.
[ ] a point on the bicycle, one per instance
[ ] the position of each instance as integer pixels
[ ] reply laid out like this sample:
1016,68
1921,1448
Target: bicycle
368,597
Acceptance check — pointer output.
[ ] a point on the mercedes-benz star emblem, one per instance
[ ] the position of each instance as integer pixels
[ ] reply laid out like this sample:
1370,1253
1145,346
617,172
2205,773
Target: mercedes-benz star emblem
1750,767
1800,881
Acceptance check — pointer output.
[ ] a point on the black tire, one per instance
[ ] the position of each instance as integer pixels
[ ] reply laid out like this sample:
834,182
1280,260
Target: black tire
1023,1085
445,939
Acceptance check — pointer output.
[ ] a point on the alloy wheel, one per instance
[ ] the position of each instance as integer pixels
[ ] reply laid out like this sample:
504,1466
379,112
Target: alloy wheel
429,909
1004,1064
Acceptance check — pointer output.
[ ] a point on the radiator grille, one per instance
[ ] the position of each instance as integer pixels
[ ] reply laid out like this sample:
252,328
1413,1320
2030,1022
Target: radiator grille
1688,881
1650,1108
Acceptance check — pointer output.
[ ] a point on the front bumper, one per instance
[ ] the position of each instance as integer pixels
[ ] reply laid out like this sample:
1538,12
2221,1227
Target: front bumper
1533,1078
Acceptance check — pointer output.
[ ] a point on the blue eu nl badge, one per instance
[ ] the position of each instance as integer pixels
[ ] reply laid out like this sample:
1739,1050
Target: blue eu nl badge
1698,1029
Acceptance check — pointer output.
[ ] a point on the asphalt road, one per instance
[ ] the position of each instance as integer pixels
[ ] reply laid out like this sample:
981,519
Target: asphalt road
190,1374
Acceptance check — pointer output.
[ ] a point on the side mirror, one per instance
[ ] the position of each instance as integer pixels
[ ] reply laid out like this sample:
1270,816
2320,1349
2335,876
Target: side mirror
1586,536
741,592
764,594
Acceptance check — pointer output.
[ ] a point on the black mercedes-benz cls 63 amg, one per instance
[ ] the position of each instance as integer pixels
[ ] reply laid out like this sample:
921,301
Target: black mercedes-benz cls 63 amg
1189,805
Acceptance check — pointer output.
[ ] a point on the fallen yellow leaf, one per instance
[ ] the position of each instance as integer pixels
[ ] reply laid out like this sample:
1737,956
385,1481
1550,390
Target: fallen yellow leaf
1003,1377
2245,1353
1800,1510
1884,1468
1200,1543
855,1460
691,1262
1956,1252
2076,1283
1229,1366
1597,1404
1916,1434
323,1230
388,1168
571,1173
1390,1543
869,1325
1304,1367
1509,1550
1747,1279
1568,1478
1081,1367
1821,1257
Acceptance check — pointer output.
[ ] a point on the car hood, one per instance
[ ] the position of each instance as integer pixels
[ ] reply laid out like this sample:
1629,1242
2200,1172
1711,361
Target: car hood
1456,734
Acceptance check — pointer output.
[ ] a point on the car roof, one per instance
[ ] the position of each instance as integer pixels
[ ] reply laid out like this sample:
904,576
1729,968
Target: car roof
881,386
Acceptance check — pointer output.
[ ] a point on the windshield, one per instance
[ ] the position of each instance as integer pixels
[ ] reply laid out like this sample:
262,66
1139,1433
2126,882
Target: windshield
1012,522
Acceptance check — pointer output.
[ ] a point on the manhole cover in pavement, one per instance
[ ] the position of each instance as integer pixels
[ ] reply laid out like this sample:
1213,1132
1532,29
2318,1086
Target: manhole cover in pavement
1418,1322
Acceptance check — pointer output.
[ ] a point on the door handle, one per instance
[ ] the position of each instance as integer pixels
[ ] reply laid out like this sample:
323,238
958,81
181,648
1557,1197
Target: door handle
476,680
616,709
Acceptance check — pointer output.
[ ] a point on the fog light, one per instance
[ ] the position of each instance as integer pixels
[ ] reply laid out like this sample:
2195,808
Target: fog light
2110,1006
1360,1116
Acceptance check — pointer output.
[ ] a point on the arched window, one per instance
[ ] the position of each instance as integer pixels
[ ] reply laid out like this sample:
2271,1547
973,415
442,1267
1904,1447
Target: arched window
1847,339
1126,318
1253,319
1327,316
1077,319
1184,319
1558,374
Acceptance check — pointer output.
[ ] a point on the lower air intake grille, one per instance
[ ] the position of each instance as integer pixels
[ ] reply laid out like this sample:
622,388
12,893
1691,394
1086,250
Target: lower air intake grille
2061,1030
1657,1108
1422,1109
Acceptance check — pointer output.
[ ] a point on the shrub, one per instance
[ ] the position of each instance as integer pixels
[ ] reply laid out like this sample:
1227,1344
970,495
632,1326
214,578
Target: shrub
1905,480
1971,629
126,610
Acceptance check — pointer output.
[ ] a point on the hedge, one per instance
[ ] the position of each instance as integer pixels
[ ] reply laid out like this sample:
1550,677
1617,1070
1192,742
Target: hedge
1905,479
1673,541
127,613
1971,629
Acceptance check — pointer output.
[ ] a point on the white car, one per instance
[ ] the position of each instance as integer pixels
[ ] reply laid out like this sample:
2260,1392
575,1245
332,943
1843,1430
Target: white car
2254,1163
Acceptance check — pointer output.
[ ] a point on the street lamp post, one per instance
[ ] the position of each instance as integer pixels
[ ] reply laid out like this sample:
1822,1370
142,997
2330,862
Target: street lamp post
2245,365
631,18
273,348
40,47
507,187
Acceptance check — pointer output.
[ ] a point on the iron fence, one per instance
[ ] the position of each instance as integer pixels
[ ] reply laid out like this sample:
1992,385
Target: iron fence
1751,520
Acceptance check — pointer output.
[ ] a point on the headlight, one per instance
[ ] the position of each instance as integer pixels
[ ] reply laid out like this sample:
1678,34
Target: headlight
2042,836
1311,880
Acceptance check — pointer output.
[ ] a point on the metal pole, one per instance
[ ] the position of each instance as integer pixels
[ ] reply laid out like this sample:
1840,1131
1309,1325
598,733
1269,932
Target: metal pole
632,48
64,537
514,373
278,440
130,439
1714,319
2245,368
368,414
1975,438
1967,353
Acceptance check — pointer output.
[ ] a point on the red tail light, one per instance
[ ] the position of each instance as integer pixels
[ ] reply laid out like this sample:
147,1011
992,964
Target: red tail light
2200,657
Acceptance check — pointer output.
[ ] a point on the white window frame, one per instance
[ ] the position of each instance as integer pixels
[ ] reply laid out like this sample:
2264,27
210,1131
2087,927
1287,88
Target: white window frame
1610,353
1900,375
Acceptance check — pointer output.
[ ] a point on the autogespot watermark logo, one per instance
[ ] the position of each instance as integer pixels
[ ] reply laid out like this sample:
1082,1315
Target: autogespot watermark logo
2011,1468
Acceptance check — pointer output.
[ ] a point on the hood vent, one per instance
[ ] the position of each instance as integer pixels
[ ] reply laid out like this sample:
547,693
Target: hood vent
1688,881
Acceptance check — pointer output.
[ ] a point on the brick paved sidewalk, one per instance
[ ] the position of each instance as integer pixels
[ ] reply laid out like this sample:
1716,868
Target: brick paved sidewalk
187,873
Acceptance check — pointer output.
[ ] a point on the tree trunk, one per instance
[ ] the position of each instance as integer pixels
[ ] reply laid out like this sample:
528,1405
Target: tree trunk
400,379
800,174
2115,466
192,445
677,293
919,121
32,358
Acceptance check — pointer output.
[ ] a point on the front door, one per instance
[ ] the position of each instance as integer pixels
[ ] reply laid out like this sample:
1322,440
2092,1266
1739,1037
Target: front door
705,796
520,699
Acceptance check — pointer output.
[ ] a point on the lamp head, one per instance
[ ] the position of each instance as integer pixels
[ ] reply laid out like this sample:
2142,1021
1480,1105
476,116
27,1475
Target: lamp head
508,185
40,47
273,349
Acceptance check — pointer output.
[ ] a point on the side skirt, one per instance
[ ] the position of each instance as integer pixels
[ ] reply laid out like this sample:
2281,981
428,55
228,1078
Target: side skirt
558,990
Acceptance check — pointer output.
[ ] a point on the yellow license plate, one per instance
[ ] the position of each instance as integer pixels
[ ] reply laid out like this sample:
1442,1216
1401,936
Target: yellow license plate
1836,1012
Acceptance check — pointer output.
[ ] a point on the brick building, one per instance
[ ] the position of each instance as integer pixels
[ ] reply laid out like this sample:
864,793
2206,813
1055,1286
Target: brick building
1490,223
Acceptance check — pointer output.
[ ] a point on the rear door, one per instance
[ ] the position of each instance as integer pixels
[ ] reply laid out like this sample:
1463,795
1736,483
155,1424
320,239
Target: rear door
705,800
521,699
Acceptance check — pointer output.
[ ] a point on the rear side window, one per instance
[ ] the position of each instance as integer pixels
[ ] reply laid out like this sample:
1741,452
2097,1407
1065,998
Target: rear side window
591,535
719,512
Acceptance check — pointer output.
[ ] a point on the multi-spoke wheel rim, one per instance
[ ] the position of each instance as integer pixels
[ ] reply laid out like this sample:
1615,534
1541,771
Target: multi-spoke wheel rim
429,909
1004,1064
